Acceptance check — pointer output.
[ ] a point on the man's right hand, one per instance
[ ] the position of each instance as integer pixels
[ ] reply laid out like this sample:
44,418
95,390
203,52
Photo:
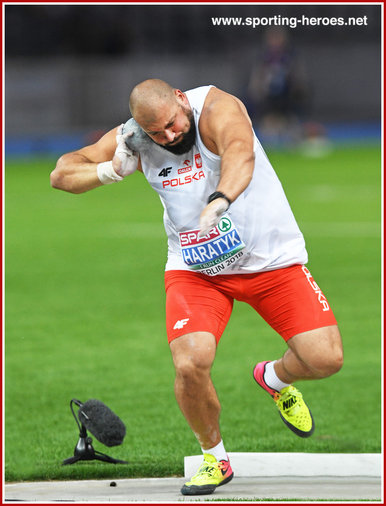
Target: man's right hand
125,161
107,161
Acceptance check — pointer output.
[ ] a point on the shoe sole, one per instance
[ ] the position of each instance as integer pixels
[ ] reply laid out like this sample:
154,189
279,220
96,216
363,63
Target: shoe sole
203,489
297,431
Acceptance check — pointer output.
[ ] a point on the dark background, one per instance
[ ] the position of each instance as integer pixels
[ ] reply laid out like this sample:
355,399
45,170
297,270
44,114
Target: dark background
70,68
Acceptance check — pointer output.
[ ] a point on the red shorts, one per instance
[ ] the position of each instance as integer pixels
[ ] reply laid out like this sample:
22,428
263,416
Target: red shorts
288,299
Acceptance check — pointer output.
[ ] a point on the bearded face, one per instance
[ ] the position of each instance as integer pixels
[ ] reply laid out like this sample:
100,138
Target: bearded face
172,128
186,141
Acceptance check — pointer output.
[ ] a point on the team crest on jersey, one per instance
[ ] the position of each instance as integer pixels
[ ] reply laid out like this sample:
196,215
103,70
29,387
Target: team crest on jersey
198,161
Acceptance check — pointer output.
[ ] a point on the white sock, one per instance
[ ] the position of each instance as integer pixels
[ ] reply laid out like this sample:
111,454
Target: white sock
270,377
217,451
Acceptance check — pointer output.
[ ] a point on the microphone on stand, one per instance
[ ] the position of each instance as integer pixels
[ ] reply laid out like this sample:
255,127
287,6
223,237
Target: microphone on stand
105,425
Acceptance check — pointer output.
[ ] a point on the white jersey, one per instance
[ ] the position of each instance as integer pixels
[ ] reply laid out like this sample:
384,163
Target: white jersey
257,233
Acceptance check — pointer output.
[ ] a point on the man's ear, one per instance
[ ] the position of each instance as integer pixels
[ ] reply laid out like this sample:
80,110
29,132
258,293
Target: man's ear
181,97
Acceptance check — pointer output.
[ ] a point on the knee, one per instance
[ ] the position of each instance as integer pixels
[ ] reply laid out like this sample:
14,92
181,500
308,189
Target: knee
320,351
338,361
327,362
190,372
330,364
193,356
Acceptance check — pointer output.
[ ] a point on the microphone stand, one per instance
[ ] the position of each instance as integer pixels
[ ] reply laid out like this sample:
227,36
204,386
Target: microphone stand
84,449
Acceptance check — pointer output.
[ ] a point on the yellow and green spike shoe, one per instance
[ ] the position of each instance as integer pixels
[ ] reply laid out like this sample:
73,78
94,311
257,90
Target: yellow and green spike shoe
292,409
211,474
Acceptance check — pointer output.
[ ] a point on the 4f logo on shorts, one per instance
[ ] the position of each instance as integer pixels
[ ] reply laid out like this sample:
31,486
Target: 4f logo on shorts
321,298
180,324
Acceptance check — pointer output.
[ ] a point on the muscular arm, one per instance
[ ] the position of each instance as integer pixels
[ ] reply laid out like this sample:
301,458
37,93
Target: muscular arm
76,172
227,131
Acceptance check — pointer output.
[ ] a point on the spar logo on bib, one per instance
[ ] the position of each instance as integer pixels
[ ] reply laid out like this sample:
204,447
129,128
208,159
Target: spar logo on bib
214,252
225,225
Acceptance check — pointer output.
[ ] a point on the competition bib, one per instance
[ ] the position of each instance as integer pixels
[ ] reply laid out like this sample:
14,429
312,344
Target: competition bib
214,252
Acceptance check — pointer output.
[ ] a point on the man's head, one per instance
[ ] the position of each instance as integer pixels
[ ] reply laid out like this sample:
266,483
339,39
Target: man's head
164,114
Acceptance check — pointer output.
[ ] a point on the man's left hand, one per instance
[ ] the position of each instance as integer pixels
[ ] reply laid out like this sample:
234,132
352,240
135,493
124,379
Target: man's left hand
211,215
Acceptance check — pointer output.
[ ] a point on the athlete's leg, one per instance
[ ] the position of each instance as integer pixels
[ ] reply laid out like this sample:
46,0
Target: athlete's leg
298,310
196,316
311,355
193,356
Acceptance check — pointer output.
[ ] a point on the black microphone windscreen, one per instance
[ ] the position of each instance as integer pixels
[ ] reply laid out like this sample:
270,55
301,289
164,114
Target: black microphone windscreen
105,425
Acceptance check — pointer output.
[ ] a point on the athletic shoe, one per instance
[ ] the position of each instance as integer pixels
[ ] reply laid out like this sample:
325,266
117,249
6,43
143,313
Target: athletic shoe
292,409
211,474
258,374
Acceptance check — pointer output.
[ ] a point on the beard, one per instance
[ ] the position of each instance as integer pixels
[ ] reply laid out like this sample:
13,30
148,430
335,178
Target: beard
187,141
